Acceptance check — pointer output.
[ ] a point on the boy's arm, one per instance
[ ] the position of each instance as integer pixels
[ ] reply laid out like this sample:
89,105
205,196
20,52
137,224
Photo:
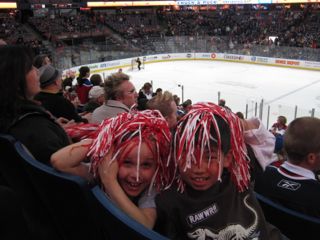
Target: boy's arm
108,172
70,159
261,141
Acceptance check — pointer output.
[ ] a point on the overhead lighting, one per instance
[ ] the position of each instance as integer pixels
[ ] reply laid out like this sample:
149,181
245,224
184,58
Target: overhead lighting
8,5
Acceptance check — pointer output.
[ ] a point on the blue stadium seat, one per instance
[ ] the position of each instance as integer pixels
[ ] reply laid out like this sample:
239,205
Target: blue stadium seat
124,227
11,216
295,225
61,202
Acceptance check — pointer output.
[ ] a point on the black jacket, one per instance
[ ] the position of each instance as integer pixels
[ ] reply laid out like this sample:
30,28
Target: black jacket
38,131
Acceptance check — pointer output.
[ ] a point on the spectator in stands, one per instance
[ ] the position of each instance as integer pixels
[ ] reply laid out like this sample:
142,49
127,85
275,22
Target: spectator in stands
176,99
96,99
83,86
213,196
280,126
158,91
51,96
240,115
129,156
222,103
41,60
120,96
294,184
145,94
68,88
166,105
146,91
96,80
186,106
20,116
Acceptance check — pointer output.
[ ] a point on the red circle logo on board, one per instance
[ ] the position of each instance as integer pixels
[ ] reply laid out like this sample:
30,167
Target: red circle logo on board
213,55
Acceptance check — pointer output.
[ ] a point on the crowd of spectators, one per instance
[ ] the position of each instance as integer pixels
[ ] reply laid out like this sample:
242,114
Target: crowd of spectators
236,29
215,152
13,32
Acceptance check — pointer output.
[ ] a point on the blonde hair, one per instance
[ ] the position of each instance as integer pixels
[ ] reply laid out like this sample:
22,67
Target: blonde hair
112,83
161,102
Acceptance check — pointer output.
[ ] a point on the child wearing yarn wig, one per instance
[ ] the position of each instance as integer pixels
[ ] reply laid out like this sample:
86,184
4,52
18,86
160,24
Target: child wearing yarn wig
129,156
212,198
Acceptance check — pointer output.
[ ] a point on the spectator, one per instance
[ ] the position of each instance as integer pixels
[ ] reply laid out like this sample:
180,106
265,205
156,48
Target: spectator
158,91
129,157
280,126
213,196
20,116
96,80
186,106
51,96
83,86
120,96
146,91
41,60
96,99
166,105
294,184
145,94
222,103
176,99
240,115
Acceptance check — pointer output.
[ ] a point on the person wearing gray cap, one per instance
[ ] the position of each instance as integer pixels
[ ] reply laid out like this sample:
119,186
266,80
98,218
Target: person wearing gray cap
51,96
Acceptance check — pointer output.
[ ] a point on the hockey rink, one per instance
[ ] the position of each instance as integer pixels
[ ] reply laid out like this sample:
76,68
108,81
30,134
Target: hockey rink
239,84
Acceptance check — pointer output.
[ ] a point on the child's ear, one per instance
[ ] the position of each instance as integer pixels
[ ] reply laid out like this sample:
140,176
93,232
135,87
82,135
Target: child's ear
227,160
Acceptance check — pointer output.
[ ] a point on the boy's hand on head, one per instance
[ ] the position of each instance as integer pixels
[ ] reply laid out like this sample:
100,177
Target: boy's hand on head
108,170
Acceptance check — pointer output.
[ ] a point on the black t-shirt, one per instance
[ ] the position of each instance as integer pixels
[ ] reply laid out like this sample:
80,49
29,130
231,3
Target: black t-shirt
220,212
59,106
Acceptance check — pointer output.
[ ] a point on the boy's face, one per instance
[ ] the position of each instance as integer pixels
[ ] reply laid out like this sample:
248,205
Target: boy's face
127,175
202,177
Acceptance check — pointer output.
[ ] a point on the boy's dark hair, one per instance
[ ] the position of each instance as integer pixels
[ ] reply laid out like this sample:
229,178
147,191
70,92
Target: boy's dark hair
301,138
224,130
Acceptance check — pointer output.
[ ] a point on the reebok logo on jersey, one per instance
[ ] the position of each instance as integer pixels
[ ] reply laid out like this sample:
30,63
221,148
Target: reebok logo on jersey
202,215
290,185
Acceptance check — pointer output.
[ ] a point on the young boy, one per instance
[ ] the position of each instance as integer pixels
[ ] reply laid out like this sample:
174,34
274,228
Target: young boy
129,156
294,183
212,198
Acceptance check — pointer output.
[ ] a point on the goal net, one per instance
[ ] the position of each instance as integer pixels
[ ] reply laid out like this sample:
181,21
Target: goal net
134,64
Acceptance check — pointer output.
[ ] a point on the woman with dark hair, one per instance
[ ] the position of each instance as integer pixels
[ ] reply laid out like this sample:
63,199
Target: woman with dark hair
20,116
84,85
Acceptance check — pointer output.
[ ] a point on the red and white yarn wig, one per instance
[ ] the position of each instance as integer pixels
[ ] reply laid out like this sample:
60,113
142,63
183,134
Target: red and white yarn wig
208,127
82,131
128,130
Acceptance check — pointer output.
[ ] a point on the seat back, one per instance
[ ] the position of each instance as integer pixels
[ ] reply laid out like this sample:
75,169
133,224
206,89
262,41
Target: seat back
11,216
123,226
14,176
293,224
66,199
